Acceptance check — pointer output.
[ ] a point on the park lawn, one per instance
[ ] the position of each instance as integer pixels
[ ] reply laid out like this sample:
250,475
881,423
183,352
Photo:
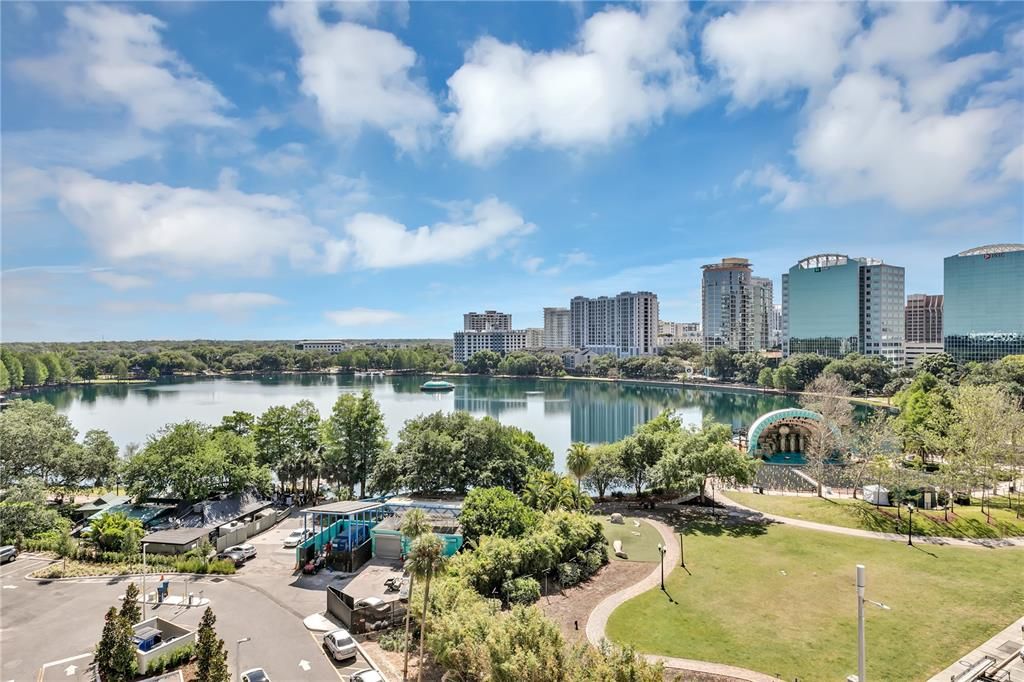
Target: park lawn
781,600
638,548
964,522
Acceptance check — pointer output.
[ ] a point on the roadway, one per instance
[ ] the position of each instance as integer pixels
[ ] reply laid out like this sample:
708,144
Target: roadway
48,629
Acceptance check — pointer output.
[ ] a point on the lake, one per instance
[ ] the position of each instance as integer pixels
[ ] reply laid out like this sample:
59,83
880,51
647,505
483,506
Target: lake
558,412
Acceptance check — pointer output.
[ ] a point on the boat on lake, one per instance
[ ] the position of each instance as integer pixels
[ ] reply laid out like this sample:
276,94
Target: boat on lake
437,385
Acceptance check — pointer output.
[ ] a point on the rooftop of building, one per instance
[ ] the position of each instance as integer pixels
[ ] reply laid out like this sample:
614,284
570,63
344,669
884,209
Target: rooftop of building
729,264
992,249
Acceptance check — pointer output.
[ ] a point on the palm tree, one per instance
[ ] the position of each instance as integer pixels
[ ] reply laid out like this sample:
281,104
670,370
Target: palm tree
580,461
426,557
414,524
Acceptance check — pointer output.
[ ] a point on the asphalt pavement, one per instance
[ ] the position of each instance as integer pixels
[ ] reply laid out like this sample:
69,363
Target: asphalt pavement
48,629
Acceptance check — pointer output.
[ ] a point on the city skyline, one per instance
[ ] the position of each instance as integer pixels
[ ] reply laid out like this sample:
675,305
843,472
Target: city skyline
239,190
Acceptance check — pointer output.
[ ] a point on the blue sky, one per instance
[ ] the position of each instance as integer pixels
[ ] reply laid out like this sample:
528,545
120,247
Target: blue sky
252,170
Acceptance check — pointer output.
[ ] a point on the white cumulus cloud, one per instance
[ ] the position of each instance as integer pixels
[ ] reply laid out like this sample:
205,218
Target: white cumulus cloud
377,241
107,55
763,51
358,317
359,76
627,70
182,228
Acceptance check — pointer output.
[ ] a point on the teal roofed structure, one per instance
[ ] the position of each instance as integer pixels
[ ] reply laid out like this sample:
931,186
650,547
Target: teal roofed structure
781,437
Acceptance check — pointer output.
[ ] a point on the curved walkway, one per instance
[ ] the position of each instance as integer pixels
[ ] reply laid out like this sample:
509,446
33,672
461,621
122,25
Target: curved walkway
988,543
598,620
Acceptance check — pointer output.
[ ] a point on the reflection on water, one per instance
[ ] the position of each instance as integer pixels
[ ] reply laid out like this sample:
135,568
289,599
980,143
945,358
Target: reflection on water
557,412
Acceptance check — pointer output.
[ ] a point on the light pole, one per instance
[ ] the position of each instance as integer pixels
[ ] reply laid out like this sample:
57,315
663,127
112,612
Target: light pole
144,580
910,524
682,555
238,657
661,551
861,657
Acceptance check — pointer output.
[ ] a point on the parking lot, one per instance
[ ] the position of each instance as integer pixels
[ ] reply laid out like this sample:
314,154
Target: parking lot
49,629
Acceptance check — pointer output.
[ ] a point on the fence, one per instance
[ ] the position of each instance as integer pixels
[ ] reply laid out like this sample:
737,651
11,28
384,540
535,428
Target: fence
255,527
359,621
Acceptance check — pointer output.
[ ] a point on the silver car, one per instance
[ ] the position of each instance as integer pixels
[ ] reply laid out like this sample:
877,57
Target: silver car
247,551
340,645
368,675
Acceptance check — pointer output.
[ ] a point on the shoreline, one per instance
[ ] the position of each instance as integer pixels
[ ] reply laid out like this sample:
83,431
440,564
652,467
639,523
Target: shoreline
744,389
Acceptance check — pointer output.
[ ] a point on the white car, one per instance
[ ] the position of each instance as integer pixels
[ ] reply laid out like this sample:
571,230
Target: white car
297,537
247,551
368,675
255,675
340,645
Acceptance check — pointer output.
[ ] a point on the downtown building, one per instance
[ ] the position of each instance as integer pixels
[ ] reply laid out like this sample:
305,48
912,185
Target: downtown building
833,305
625,325
491,330
922,323
983,307
735,307
679,332
557,323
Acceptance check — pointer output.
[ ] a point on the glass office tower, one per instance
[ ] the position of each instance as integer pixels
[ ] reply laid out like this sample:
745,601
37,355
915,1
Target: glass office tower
983,315
833,305
821,302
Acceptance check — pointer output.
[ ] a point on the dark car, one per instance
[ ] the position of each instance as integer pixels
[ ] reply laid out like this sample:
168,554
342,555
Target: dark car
233,555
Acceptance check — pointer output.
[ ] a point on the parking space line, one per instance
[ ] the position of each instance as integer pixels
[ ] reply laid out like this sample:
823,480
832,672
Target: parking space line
42,671
323,652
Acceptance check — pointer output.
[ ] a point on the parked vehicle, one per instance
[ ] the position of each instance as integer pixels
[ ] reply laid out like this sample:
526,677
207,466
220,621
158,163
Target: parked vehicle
297,537
255,675
367,675
247,551
375,603
8,553
234,556
340,645
341,543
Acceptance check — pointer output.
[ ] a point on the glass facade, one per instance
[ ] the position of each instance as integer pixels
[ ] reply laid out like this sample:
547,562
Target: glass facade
822,301
983,307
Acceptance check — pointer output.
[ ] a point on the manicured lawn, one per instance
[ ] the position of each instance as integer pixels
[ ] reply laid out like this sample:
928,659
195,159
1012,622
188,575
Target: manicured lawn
642,547
781,600
964,522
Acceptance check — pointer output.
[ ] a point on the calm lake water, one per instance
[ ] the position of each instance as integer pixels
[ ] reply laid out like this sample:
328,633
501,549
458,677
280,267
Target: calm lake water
558,412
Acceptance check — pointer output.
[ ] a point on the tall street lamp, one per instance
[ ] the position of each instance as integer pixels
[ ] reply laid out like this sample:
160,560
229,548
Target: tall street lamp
910,524
144,580
661,551
861,658
682,555
238,657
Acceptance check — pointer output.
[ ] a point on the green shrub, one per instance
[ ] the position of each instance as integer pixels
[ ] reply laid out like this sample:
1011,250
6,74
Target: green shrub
392,640
523,591
171,660
569,574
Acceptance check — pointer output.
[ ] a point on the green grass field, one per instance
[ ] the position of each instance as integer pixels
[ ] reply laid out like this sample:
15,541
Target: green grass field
781,600
964,522
643,547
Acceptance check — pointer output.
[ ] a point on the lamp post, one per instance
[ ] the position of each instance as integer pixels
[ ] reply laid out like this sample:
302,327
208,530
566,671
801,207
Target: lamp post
661,551
144,580
682,556
238,657
861,657
910,524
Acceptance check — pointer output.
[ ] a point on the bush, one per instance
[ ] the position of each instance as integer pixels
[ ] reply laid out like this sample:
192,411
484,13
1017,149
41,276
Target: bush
523,591
392,640
171,660
569,574
593,559
618,494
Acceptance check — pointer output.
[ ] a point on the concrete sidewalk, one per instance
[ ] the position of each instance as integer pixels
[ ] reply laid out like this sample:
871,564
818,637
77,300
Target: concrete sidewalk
598,620
1006,643
999,543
